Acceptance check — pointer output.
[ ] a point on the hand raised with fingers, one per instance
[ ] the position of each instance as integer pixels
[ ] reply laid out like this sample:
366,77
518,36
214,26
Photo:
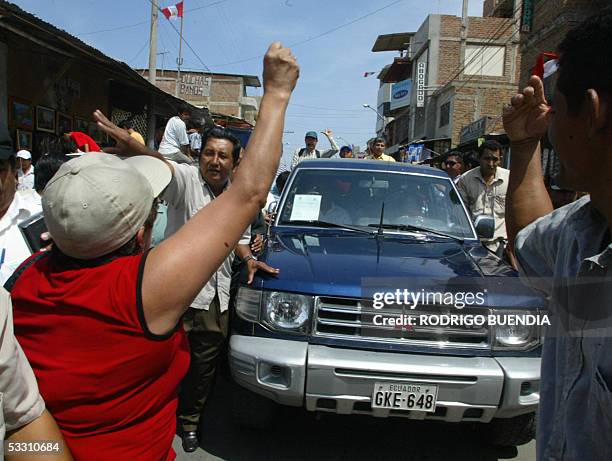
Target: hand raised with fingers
328,132
281,70
126,145
526,117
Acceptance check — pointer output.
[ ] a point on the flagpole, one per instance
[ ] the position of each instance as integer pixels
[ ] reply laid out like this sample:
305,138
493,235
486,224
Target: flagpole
179,61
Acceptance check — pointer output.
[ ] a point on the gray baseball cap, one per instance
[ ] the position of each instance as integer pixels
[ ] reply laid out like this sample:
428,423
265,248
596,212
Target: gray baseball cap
96,203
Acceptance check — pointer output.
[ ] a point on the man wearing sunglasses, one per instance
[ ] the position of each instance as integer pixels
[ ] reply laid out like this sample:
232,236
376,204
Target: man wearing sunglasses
453,165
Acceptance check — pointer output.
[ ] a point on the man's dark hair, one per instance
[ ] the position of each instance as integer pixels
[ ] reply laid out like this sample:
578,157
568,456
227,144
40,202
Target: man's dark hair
452,153
582,65
126,124
470,160
218,132
281,181
379,139
183,109
63,146
491,145
46,167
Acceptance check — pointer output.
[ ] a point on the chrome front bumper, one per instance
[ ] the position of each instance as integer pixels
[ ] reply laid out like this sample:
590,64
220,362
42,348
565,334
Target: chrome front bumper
339,380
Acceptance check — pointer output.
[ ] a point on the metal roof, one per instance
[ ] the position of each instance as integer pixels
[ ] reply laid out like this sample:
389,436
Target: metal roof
393,42
19,22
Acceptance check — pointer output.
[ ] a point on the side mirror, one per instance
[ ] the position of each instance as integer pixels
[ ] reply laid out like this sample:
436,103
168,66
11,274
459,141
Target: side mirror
485,226
272,207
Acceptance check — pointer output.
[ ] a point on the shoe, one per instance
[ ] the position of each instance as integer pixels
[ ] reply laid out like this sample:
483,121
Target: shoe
190,441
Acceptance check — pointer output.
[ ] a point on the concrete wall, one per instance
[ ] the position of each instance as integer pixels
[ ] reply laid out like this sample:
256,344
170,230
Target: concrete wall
220,93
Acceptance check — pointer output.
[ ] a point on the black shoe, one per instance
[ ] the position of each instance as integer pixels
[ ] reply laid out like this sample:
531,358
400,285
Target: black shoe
190,441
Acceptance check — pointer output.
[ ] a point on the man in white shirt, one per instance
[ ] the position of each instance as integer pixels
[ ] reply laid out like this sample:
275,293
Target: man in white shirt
175,143
310,151
484,192
206,321
15,207
25,172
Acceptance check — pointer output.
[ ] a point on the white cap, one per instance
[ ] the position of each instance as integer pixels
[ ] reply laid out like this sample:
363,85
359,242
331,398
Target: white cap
24,154
97,202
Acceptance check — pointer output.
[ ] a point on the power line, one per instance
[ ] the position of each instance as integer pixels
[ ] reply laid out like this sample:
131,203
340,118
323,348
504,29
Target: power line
139,52
322,34
182,38
136,24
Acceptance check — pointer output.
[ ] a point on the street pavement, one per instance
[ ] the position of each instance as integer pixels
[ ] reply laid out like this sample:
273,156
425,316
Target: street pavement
303,436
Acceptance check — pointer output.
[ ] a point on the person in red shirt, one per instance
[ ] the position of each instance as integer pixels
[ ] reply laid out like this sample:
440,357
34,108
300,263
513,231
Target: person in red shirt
84,142
98,315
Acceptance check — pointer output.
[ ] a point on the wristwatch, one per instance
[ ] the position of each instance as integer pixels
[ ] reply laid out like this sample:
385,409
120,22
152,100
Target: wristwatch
248,258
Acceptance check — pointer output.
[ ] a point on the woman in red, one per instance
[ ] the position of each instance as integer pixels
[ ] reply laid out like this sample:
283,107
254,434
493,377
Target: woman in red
97,316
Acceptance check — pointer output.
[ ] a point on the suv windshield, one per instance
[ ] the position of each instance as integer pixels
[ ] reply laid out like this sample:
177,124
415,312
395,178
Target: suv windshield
355,198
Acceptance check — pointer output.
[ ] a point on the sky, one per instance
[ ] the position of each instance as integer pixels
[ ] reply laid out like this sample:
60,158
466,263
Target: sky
332,40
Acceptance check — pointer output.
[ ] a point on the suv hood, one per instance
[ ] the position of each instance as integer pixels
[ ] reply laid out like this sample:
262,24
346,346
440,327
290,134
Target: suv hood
339,263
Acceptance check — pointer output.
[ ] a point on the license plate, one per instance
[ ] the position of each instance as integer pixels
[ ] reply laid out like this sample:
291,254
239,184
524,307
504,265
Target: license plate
403,396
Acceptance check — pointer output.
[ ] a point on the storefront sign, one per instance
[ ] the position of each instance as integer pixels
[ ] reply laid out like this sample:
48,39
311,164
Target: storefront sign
473,130
421,70
527,16
400,94
195,85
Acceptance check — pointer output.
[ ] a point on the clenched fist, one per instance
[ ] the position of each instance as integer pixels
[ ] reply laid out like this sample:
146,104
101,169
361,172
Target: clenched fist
280,70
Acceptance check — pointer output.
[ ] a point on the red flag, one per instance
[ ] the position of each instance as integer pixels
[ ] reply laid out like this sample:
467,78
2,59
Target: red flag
175,11
541,64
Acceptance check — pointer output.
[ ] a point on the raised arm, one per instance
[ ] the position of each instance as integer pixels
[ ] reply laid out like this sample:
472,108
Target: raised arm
126,145
334,146
526,122
177,269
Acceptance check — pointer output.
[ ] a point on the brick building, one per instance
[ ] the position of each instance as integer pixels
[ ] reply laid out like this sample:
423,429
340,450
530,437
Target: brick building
463,70
221,93
544,24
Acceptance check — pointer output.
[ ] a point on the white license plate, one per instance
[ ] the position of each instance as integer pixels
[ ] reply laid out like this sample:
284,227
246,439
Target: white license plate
404,396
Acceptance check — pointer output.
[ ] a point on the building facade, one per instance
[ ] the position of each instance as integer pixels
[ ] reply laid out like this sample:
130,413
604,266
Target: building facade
462,70
221,93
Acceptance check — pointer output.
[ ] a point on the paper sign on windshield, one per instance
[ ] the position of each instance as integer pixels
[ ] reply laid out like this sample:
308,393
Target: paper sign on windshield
306,207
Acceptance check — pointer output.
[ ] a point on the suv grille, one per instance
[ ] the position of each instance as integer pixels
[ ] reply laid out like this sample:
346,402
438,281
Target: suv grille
353,318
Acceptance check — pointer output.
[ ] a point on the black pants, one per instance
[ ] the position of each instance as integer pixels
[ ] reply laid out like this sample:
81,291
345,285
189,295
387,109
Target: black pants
206,331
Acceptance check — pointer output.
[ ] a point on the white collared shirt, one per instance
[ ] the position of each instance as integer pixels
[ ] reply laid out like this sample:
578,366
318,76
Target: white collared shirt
25,180
20,400
13,245
187,194
486,200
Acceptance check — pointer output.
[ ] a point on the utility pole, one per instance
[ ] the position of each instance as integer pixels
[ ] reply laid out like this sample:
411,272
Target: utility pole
179,61
464,31
152,75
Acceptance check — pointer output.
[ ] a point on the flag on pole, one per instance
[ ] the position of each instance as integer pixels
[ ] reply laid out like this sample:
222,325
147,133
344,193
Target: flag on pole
175,11
367,74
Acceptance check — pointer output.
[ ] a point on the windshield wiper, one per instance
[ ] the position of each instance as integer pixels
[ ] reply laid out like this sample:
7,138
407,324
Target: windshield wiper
409,227
327,224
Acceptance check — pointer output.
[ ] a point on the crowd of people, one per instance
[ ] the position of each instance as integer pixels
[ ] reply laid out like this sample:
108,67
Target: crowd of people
108,329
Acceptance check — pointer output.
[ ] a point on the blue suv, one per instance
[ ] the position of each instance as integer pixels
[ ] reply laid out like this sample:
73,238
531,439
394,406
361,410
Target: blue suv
370,313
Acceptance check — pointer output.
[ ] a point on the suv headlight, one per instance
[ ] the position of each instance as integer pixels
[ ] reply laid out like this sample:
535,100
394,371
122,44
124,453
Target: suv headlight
288,312
516,330
248,302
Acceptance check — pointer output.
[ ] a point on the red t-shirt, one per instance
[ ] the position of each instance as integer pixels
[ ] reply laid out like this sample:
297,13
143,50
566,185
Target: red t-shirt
110,384
81,139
